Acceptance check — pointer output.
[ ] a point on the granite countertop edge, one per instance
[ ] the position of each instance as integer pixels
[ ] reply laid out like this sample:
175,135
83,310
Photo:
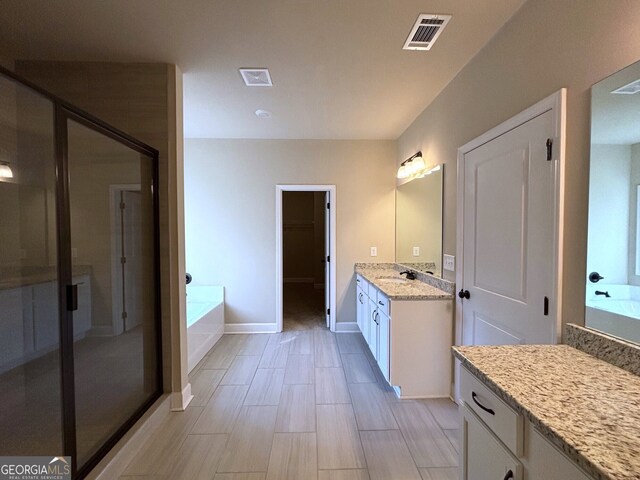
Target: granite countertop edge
549,433
436,295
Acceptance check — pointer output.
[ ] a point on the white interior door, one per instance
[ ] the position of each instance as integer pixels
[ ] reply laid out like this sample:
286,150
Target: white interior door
132,254
508,238
327,252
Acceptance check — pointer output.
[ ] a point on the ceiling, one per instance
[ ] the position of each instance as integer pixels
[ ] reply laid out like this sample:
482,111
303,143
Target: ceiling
614,118
338,67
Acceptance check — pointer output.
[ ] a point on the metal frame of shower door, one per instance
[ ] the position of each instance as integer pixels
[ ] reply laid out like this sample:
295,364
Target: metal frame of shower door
63,114
64,111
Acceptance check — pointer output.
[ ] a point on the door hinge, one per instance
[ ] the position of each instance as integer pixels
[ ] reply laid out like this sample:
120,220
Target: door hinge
123,260
124,315
549,149
328,206
546,306
122,205
328,311
328,258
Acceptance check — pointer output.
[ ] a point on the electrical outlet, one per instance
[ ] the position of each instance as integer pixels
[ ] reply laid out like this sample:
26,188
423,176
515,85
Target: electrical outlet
416,251
374,251
449,263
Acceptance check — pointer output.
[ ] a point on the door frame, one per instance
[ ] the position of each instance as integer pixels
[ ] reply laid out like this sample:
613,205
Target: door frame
556,103
331,212
116,266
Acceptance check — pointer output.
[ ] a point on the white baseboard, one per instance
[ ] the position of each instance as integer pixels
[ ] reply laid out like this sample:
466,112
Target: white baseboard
299,280
249,328
104,331
344,327
180,400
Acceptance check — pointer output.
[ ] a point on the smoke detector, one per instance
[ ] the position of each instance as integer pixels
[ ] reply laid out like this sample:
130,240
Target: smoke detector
260,113
256,77
426,31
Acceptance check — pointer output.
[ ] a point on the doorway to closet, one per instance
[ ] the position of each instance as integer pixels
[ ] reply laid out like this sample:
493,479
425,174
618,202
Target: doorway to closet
305,272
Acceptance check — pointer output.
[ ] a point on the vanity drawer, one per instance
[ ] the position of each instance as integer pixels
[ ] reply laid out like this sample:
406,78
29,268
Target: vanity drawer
382,302
363,284
506,424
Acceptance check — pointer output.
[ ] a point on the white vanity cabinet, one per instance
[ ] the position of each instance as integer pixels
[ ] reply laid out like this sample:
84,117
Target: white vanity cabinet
497,443
30,327
410,340
362,308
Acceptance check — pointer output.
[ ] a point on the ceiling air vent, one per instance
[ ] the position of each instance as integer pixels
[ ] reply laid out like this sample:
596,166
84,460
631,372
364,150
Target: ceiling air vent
256,77
426,31
629,89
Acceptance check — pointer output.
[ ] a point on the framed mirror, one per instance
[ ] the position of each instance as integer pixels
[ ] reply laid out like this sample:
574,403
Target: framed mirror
419,223
613,254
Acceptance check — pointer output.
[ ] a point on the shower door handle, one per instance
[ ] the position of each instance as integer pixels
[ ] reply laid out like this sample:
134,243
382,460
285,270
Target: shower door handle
72,298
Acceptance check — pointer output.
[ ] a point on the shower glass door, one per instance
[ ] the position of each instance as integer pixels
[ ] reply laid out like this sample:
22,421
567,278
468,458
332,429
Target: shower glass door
112,255
80,356
30,370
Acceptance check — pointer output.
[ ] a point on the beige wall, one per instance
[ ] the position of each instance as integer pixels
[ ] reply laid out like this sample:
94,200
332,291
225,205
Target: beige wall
145,101
230,188
547,45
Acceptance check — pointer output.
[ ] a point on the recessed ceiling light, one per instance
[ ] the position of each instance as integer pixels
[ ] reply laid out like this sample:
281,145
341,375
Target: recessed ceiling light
260,113
256,77
629,88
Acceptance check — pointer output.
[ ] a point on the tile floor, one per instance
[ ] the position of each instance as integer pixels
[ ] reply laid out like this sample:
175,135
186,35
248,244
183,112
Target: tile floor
305,404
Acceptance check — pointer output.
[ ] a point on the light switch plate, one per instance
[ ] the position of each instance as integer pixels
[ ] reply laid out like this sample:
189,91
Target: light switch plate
416,251
374,251
449,262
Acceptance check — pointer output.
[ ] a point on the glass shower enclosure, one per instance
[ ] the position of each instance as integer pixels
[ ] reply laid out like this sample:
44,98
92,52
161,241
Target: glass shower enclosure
80,356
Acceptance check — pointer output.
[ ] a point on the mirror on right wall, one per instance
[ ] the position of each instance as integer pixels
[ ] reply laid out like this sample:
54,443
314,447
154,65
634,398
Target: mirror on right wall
613,252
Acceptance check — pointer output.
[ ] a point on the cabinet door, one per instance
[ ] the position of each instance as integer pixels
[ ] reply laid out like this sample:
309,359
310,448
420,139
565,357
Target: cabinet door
361,309
383,344
373,329
45,318
12,328
546,461
483,457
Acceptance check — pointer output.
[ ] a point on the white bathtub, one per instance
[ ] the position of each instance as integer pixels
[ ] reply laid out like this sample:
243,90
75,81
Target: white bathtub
205,320
617,315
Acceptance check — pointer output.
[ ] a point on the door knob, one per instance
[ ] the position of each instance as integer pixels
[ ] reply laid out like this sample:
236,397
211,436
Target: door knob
464,294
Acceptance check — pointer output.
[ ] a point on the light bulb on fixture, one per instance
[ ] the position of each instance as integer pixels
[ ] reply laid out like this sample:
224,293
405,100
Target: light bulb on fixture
5,170
403,171
417,164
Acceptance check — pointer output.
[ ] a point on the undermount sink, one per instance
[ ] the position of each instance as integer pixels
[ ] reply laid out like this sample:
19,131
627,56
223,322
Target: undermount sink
392,280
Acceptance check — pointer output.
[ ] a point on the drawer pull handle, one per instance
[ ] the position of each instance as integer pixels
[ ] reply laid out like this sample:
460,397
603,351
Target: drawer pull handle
508,475
488,410
381,303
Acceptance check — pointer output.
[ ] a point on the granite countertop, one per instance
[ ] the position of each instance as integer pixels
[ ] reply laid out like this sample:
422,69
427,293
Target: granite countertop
587,407
15,277
411,290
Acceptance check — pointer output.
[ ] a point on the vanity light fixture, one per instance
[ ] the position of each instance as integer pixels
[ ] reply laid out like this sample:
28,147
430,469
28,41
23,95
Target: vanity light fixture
411,166
5,170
